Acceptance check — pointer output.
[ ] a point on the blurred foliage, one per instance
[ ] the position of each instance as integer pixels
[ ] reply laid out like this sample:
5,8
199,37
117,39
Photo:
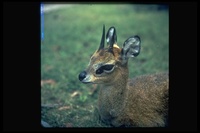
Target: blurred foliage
73,33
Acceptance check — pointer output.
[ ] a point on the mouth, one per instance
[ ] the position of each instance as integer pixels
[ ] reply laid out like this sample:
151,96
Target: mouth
86,82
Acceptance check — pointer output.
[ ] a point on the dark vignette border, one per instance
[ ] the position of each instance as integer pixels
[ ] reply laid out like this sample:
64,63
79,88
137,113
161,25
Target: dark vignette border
21,68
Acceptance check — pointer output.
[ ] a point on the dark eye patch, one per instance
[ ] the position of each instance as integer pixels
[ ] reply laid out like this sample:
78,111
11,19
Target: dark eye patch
99,71
107,67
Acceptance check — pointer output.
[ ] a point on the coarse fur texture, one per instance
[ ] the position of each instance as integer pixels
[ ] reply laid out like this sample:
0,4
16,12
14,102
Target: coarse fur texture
138,102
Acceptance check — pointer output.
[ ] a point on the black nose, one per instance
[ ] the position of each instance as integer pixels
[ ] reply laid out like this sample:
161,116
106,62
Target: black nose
82,75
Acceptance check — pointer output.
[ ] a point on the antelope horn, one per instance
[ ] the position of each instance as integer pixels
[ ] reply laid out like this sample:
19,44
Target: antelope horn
102,39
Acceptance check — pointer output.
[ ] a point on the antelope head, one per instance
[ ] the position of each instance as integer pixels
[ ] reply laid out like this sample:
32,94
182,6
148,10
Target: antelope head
108,64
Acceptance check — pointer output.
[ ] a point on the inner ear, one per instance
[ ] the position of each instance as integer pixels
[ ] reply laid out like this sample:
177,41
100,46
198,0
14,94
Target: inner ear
131,48
111,38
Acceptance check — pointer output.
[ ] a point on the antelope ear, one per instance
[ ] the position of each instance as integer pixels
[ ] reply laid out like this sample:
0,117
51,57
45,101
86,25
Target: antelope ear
131,48
111,38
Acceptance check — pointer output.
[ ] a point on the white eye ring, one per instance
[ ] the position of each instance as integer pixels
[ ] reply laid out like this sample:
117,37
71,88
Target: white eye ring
109,70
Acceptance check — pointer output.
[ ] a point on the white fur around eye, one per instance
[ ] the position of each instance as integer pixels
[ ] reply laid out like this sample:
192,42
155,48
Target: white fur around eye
96,66
109,70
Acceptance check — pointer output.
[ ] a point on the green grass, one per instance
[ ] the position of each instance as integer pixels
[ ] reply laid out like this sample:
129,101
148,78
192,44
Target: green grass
72,34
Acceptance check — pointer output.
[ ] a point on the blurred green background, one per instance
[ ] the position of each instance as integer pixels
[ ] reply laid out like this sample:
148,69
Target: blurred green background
72,33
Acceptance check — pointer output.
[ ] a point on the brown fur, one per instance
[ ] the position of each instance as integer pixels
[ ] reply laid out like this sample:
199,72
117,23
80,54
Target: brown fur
140,102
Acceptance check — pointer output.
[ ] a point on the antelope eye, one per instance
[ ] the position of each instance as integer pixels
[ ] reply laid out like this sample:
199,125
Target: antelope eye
107,67
99,71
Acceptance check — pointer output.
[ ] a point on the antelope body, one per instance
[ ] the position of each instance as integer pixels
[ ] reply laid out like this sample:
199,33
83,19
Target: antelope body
140,102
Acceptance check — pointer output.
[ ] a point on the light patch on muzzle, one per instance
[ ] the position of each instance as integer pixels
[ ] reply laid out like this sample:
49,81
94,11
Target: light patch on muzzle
87,79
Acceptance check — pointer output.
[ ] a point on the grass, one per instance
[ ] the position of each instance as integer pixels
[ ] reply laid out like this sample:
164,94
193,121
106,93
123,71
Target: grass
72,34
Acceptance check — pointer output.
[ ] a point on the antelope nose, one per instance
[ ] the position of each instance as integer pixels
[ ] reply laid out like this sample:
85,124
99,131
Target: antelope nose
82,75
